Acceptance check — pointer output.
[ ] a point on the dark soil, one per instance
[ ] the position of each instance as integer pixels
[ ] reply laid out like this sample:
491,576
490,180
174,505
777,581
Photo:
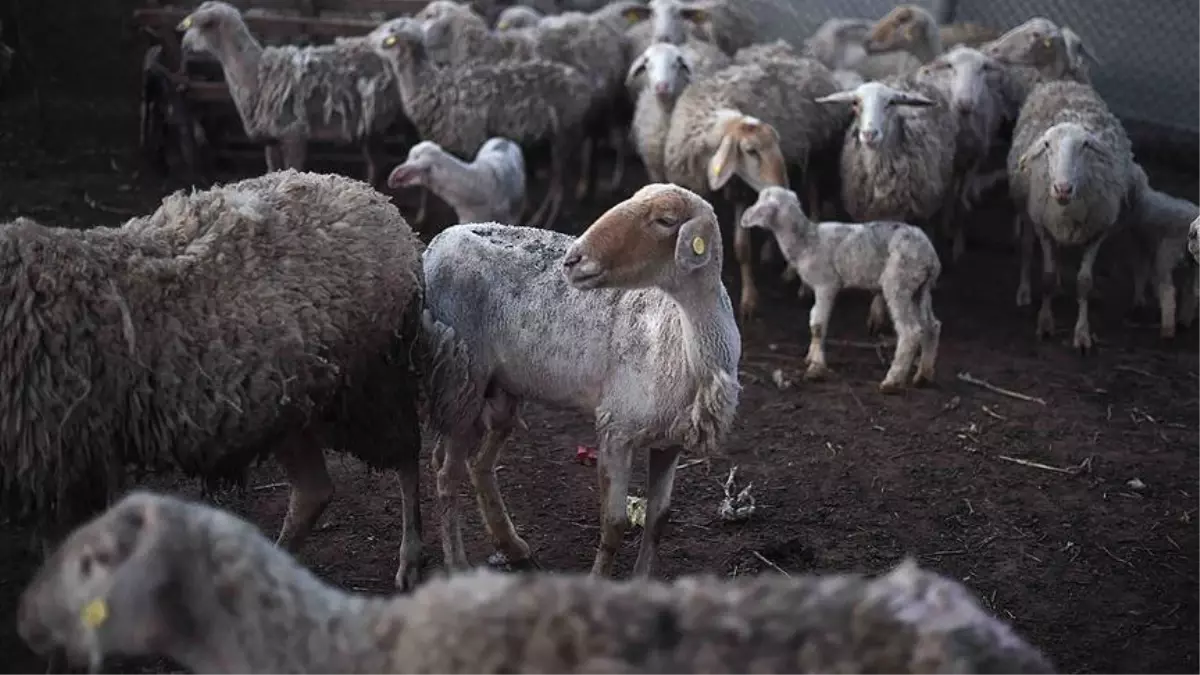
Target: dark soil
1101,575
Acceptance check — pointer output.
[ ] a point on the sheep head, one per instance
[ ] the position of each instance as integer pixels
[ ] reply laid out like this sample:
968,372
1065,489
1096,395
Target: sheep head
673,17
900,29
404,44
873,104
1038,43
417,166
749,147
659,237
667,68
107,588
1193,239
515,17
1070,152
775,209
970,74
436,9
206,23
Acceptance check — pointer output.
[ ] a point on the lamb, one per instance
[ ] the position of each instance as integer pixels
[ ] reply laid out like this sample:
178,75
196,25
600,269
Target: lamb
489,189
1161,226
1070,173
751,120
914,29
289,95
630,322
528,102
204,336
666,70
157,575
893,258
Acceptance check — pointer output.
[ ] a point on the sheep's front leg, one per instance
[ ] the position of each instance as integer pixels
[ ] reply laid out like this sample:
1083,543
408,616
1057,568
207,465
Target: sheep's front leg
931,333
511,550
1045,319
311,487
1163,267
620,145
369,147
744,252
660,479
586,154
615,463
295,153
1083,287
449,462
1024,231
274,156
818,323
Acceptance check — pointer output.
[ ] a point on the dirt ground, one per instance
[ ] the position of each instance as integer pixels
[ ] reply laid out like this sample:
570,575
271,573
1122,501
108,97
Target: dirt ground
1100,574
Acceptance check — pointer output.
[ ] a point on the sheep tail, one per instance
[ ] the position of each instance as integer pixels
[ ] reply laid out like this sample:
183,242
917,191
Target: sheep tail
450,391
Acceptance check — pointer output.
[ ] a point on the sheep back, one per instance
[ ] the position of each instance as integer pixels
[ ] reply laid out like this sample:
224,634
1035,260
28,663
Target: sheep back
200,336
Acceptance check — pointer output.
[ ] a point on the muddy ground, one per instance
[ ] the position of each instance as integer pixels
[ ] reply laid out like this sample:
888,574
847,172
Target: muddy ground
1101,575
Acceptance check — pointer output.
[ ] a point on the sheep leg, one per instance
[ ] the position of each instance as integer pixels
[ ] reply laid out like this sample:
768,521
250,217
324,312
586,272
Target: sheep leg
512,551
274,156
909,334
1025,232
311,488
877,316
449,462
615,463
422,207
818,323
660,479
295,153
586,166
744,252
931,332
1187,303
1045,319
408,572
616,137
1163,266
1141,280
1083,287
813,195
541,217
370,161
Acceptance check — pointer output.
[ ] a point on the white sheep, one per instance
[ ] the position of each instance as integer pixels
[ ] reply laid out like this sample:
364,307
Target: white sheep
489,189
895,259
159,576
630,322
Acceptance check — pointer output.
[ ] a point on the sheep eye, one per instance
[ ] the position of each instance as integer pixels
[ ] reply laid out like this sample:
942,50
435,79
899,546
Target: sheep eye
85,565
663,223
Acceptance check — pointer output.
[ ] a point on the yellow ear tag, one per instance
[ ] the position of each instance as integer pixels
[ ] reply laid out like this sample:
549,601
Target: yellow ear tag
187,22
908,33
389,41
716,169
698,245
632,16
1047,43
94,613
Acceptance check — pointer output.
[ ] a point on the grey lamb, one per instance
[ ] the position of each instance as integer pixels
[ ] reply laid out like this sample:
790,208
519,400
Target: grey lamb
489,189
1070,170
157,575
630,322
275,315
528,102
291,95
895,259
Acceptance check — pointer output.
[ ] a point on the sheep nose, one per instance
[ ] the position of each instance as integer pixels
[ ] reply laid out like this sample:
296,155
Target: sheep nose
571,260
1062,191
869,136
662,89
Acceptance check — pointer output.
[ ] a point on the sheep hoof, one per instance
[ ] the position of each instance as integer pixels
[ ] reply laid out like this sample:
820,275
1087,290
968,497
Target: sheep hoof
888,387
1024,296
1083,342
408,578
1045,325
499,560
922,379
816,372
1168,331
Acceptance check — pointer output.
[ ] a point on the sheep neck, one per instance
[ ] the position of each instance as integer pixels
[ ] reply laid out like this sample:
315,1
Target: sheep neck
456,181
411,76
706,333
239,54
795,239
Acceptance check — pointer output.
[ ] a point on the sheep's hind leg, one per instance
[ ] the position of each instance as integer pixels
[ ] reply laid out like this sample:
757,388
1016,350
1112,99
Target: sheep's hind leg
274,156
408,573
744,252
909,335
449,462
660,479
1166,292
818,323
1083,287
501,415
295,153
311,488
615,463
586,167
877,316
931,332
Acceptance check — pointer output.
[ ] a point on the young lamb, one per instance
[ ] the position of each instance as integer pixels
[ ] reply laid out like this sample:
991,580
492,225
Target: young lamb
489,189
528,102
290,95
1070,173
159,576
630,322
272,315
893,258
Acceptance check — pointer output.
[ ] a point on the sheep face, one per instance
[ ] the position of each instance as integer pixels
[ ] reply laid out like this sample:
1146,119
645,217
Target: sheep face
749,147
1193,239
417,167
203,27
899,29
971,74
776,206
667,69
403,45
874,104
516,17
659,237
1038,42
1070,154
101,591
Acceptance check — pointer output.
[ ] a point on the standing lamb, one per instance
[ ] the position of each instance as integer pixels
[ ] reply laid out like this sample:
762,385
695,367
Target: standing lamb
275,315
290,95
159,576
1070,170
489,189
630,322
892,258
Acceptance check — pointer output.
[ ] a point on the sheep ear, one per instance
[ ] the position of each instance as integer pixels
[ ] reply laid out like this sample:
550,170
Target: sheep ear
635,70
1071,37
723,162
839,97
909,98
1029,154
693,244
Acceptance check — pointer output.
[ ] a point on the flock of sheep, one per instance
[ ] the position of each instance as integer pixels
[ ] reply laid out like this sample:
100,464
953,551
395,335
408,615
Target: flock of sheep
293,312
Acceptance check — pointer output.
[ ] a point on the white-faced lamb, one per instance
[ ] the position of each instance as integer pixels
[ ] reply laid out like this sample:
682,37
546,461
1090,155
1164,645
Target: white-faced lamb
275,315
290,95
528,102
159,576
629,322
894,259
1069,173
489,189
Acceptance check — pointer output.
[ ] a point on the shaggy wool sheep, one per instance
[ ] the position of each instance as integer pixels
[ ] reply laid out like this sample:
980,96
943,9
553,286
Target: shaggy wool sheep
275,315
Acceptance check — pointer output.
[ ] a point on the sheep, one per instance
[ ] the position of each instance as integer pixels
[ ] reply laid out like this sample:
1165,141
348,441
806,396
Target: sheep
630,322
516,17
893,258
289,95
491,188
271,315
460,108
839,44
1193,241
914,29
460,37
156,575
1161,226
751,120
666,70
1069,173
1038,51
730,24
